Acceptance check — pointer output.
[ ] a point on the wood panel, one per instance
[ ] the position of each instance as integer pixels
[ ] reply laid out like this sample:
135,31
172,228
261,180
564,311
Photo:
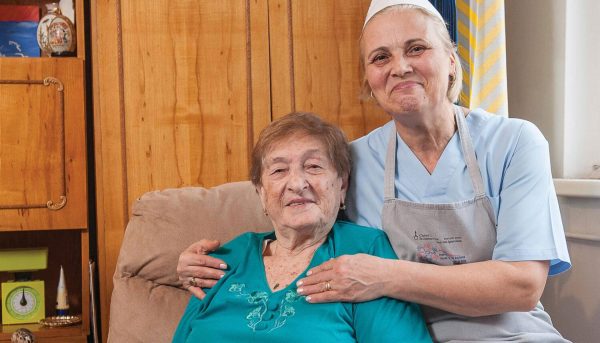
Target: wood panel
42,144
314,48
180,89
111,203
186,94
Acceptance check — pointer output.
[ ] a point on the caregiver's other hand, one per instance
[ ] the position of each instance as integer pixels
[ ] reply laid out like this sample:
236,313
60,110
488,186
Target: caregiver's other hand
352,278
197,270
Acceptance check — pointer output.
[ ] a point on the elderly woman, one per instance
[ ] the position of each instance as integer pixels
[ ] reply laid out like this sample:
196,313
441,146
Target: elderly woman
465,197
300,167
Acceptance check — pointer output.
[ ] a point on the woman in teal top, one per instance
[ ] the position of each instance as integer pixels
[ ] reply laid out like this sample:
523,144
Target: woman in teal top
243,307
300,167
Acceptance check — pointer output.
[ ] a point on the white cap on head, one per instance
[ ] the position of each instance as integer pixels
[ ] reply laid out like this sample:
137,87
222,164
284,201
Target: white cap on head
378,5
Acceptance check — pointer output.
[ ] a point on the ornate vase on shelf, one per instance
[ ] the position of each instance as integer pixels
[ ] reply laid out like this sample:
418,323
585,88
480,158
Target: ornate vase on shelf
56,33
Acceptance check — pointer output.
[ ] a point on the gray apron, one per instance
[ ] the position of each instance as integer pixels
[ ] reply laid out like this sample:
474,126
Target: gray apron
456,233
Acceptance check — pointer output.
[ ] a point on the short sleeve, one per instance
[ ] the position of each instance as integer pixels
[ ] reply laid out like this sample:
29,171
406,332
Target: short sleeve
529,222
386,319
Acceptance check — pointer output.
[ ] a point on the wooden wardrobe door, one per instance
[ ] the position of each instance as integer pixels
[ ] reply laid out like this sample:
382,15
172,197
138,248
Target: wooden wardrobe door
315,62
42,144
180,90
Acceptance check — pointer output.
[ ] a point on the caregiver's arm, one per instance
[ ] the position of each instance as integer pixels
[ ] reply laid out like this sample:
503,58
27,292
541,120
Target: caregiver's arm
474,289
206,270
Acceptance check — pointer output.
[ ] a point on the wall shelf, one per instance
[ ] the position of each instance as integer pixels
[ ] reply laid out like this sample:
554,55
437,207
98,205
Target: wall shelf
578,188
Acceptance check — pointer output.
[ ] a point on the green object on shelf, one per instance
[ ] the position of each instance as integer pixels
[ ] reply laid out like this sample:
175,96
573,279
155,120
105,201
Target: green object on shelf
22,260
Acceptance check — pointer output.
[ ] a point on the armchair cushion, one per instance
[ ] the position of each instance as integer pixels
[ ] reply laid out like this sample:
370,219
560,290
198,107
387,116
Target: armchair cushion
147,301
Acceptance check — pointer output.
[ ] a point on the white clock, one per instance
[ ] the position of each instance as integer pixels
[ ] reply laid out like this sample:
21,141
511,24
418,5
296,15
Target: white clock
23,301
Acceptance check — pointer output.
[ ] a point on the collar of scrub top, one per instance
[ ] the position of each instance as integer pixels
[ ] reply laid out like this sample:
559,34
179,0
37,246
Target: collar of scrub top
378,5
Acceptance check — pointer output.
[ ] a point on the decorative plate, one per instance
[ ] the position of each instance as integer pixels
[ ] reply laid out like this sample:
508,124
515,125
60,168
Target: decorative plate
56,321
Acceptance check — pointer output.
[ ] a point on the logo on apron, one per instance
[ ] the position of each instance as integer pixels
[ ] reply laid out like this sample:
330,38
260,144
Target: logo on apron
431,249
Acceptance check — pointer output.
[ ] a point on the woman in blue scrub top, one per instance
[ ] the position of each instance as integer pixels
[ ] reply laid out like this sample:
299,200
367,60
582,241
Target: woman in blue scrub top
465,197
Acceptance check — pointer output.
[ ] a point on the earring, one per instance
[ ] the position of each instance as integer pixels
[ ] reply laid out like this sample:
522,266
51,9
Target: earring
265,212
372,94
452,78
342,206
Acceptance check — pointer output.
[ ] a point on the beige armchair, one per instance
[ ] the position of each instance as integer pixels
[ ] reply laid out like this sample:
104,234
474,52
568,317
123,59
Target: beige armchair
147,301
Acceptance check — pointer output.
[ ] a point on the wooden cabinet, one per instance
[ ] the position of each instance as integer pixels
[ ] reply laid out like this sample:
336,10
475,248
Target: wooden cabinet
43,174
42,144
182,89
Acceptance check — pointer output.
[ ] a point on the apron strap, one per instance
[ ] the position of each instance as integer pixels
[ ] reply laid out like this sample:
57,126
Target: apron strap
390,167
469,153
466,147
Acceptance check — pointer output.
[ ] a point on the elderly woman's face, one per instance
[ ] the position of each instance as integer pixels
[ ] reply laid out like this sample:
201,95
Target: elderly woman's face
406,63
300,187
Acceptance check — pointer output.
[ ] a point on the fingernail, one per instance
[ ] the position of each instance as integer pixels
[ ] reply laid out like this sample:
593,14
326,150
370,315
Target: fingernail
308,298
220,277
299,283
300,290
223,266
309,273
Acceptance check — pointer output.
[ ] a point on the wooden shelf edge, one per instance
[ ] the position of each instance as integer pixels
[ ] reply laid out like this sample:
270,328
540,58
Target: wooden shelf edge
12,229
40,331
579,188
41,58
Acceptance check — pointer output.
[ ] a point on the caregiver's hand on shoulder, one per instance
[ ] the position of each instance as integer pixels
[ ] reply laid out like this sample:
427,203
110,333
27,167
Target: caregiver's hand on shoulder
197,270
352,278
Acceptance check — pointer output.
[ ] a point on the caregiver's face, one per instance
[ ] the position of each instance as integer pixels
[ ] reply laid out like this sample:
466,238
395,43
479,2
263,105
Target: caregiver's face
406,64
300,187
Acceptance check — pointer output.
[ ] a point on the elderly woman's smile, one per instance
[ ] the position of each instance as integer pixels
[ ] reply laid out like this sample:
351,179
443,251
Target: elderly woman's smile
299,202
300,187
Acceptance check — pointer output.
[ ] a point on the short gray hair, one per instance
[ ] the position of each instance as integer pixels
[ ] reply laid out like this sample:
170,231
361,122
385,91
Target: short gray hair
307,123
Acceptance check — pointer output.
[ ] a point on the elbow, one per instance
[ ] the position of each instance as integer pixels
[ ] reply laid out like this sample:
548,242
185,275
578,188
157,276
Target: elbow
523,297
529,286
531,298
529,295
527,303
521,300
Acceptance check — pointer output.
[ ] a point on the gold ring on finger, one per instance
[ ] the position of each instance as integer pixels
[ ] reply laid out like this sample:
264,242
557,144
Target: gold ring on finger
193,281
327,286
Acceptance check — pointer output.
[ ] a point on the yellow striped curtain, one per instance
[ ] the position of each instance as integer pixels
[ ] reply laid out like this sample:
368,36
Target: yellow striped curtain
482,49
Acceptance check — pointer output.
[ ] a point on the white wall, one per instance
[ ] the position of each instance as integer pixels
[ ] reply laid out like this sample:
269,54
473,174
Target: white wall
553,61
553,57
535,49
582,88
572,299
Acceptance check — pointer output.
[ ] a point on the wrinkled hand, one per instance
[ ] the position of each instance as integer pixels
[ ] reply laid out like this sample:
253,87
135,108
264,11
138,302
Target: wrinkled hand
197,270
351,278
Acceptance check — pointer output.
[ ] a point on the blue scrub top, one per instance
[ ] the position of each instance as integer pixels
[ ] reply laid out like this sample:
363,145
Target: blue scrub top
514,161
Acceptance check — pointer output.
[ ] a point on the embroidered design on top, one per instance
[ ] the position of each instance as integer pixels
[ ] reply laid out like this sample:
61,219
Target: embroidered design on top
261,299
